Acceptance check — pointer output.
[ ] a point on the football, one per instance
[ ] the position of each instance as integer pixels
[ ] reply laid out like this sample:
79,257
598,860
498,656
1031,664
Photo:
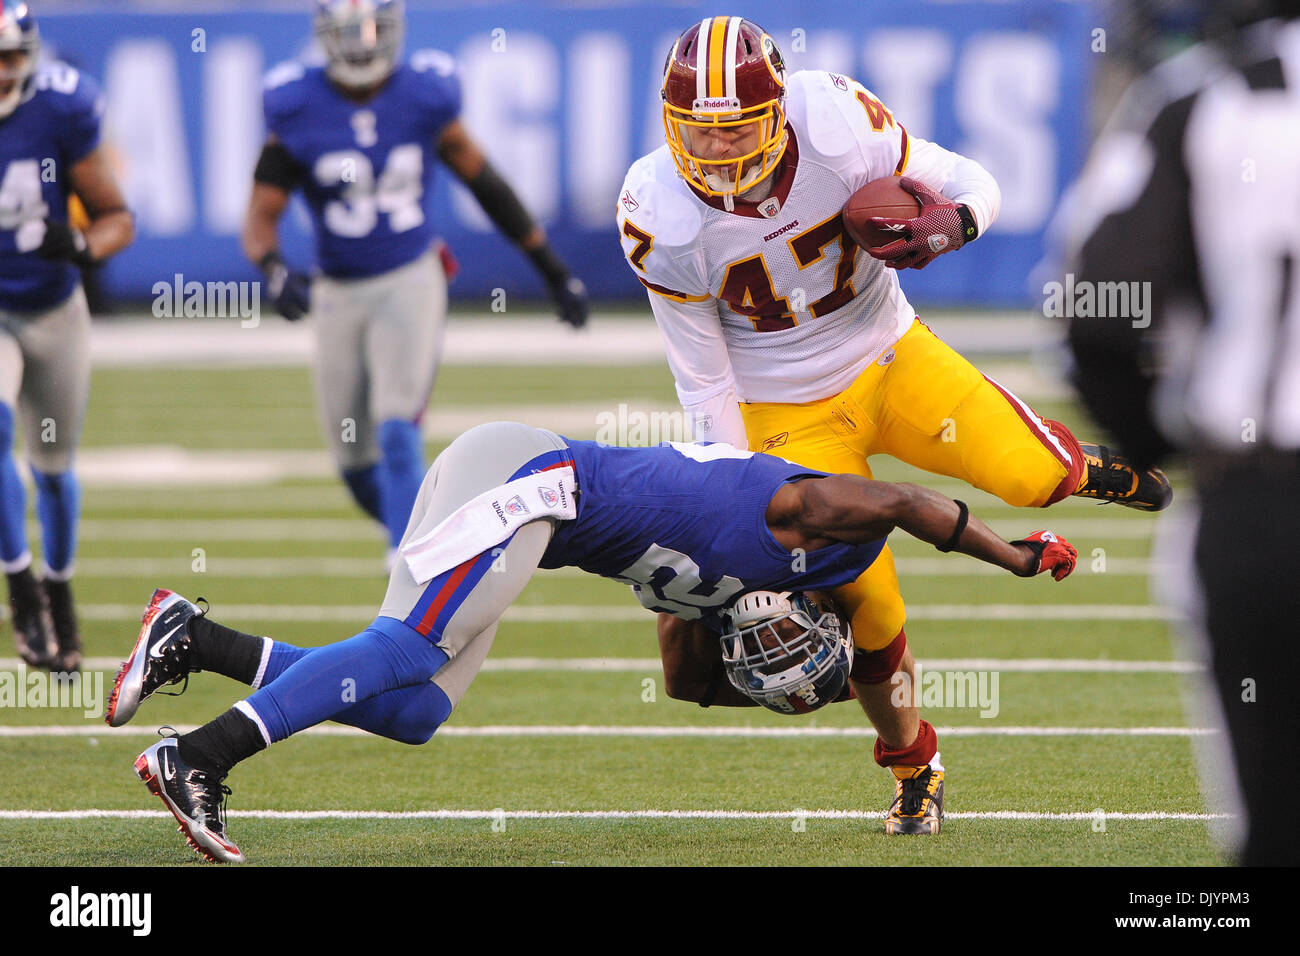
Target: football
880,197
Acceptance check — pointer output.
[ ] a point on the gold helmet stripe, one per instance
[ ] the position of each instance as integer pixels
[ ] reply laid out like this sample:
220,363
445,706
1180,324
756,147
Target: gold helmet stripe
717,55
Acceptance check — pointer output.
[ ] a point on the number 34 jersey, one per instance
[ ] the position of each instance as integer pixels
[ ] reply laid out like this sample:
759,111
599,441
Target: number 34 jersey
365,168
686,526
776,294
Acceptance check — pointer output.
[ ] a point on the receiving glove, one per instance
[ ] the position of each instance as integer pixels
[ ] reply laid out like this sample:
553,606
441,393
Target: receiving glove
936,230
290,290
567,291
1050,554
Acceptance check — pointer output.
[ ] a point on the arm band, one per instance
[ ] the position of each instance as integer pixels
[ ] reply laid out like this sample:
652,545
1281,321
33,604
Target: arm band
276,167
962,517
501,204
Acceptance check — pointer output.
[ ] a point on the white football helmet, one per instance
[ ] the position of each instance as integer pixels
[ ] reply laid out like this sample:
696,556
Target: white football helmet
17,33
362,39
786,650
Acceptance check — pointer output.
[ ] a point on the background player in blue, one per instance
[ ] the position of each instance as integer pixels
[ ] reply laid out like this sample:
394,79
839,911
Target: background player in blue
361,136
697,530
49,151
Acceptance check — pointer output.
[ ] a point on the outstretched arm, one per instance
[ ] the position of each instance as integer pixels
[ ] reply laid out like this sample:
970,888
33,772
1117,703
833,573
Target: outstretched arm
815,512
464,158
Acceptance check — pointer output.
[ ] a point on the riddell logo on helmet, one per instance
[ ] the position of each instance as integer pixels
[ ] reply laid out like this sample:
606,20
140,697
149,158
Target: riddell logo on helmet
727,103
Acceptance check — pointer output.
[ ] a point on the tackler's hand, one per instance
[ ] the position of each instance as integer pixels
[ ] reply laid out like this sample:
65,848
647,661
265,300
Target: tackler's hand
1047,552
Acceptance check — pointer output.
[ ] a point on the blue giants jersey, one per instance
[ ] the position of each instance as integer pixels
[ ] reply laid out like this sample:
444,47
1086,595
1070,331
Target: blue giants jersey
367,168
686,526
53,129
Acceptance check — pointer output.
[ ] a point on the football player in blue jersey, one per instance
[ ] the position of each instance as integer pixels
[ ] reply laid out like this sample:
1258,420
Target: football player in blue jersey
49,152
360,137
733,539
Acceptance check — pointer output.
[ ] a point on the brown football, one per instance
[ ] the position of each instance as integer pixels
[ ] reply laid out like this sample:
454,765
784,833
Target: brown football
880,197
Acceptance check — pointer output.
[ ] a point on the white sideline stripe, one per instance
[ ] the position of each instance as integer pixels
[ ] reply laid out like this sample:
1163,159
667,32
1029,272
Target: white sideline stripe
475,337
556,613
588,730
1032,665
199,530
96,814
372,568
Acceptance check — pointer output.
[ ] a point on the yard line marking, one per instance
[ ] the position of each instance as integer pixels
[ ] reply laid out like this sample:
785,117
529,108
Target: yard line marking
331,529
607,613
372,568
589,730
98,814
1029,665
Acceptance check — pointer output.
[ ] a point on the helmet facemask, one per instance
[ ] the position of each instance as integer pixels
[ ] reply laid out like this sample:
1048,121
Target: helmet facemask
20,46
786,650
362,43
756,136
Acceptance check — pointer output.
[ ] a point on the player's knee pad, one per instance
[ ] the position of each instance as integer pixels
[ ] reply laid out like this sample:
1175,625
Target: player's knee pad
51,458
876,667
400,444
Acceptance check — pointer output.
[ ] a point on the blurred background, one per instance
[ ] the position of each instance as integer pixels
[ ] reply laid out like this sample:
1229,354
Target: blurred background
564,96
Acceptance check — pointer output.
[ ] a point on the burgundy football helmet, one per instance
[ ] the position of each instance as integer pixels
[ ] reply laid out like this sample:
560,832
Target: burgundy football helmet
724,105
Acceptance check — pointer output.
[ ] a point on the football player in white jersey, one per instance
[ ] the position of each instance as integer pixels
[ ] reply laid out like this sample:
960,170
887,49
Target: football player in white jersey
784,337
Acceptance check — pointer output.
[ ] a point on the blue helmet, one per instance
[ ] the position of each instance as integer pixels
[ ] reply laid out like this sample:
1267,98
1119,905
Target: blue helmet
362,39
18,33
788,650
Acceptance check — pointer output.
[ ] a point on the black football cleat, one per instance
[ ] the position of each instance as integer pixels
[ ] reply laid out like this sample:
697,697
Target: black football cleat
1112,478
918,799
195,798
29,613
67,660
162,655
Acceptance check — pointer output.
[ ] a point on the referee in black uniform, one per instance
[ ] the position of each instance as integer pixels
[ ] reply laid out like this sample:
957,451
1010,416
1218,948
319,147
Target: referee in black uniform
1194,187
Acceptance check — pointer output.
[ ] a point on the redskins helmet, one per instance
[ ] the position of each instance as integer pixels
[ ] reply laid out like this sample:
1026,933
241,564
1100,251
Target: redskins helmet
362,39
724,105
17,32
788,650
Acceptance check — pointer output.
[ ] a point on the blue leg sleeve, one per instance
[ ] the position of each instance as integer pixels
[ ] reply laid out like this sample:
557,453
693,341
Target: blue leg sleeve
58,505
13,496
408,714
401,470
326,682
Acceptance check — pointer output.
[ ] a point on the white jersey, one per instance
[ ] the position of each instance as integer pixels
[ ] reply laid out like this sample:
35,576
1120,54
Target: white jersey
773,302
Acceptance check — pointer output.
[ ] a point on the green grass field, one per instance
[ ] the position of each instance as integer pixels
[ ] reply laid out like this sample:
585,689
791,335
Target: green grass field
509,781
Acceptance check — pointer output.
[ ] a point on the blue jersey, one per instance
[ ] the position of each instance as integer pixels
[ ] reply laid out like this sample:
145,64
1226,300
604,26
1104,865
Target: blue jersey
366,168
49,132
686,526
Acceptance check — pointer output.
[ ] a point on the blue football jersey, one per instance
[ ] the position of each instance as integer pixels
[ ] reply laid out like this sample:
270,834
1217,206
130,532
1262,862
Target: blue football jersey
367,168
686,526
49,132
